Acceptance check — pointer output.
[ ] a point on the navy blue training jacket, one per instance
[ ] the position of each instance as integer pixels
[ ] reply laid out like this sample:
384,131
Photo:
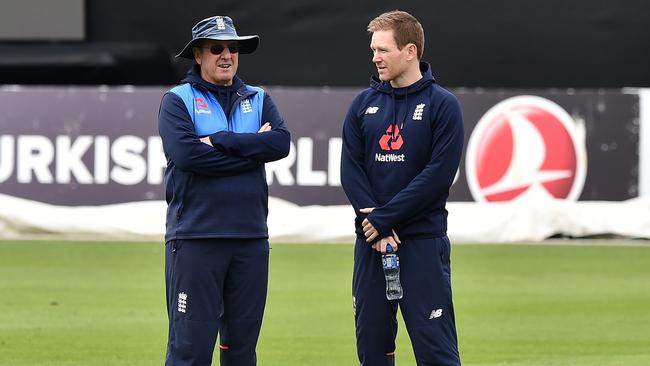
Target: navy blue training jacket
220,191
401,150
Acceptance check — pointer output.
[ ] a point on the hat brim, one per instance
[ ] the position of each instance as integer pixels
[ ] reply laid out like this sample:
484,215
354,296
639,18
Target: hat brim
247,44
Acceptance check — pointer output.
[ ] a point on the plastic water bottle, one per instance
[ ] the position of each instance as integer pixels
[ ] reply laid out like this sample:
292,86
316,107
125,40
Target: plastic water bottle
390,262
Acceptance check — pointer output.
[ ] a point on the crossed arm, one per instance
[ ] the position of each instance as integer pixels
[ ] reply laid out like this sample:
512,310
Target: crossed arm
227,153
270,143
183,147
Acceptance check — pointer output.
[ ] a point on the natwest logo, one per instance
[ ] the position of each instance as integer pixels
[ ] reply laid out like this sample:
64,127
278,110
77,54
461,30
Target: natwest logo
201,106
392,140
200,103
526,146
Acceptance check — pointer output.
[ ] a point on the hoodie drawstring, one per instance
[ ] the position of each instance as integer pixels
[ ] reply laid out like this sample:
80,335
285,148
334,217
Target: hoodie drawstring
406,112
406,102
394,119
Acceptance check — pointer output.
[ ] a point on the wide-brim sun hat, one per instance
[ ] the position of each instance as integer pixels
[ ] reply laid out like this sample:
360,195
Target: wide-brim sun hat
218,28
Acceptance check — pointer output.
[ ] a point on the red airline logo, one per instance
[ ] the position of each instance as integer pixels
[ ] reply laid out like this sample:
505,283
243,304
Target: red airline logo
392,140
526,146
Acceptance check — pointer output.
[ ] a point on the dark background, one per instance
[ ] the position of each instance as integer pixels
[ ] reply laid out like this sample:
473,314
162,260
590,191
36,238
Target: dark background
473,43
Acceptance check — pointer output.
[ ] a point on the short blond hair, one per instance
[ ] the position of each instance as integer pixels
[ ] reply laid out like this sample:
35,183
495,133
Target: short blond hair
406,29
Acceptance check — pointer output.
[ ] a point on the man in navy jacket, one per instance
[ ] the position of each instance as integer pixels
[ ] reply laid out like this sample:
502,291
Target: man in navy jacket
402,143
217,133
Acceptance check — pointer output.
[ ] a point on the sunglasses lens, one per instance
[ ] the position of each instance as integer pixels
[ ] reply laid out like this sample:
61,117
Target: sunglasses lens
217,48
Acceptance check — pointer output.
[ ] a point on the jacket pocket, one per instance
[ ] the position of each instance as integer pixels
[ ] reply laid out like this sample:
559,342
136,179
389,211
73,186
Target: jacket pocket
445,257
183,188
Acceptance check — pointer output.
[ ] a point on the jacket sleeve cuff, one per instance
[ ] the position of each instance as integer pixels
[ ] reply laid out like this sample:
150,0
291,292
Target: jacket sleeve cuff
221,141
380,226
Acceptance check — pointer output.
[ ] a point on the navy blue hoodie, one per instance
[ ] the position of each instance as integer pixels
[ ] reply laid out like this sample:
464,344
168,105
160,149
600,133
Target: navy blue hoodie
401,150
220,191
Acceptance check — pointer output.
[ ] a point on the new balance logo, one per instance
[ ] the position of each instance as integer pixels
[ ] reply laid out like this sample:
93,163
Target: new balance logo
372,110
246,106
182,302
417,114
435,313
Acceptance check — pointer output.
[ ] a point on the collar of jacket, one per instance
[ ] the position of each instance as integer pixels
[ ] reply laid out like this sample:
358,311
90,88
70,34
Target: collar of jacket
194,77
385,87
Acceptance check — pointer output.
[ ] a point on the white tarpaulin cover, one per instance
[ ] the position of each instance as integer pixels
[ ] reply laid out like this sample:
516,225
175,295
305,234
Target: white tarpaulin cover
521,220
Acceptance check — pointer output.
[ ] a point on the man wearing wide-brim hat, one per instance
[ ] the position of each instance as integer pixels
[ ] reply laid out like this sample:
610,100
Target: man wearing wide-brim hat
217,133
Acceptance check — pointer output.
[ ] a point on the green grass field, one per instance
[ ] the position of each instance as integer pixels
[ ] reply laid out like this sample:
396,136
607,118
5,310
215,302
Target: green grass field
97,303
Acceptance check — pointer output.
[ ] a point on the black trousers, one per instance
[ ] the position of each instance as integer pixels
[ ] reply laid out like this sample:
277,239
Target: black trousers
215,286
427,305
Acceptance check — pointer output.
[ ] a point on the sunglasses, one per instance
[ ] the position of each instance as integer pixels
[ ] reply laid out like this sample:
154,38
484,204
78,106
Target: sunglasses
216,49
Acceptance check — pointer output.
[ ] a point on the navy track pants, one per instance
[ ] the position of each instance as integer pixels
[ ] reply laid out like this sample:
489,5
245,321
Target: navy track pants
215,286
426,307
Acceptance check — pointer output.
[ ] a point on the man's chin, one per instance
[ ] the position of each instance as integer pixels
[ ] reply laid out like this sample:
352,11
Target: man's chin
225,74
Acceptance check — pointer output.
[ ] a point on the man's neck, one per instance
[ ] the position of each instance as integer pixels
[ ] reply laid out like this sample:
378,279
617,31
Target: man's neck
411,76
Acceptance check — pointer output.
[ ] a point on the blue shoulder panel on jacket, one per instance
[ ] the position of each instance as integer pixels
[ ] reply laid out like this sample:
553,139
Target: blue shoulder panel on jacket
208,116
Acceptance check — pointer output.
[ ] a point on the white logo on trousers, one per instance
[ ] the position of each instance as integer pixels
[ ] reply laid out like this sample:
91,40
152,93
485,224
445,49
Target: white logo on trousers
435,313
182,302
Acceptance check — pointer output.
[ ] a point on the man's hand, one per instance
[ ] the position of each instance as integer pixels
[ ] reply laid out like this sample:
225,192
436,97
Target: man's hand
265,128
381,244
206,140
368,230
371,234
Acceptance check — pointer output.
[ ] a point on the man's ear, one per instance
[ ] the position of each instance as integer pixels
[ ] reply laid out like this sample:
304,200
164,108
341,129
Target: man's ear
411,51
197,55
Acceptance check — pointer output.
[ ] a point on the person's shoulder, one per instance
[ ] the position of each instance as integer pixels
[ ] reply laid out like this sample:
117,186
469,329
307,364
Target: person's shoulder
173,99
364,95
181,91
173,95
441,92
251,90
442,96
254,87
367,92
179,88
